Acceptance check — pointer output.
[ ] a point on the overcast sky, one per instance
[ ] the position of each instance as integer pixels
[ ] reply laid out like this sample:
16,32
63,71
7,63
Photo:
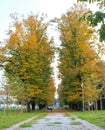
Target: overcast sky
53,8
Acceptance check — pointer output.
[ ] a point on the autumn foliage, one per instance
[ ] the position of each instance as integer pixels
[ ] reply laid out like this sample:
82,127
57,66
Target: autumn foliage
28,55
78,60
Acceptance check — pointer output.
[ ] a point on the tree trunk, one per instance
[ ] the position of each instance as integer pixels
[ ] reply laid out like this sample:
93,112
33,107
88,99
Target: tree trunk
96,105
88,106
100,103
28,106
33,106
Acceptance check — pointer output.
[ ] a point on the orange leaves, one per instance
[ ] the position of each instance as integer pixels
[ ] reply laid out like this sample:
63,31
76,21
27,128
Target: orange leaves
50,92
28,55
91,93
33,90
31,42
77,56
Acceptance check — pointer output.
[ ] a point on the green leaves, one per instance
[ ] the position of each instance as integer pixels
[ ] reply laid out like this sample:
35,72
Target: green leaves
97,18
102,33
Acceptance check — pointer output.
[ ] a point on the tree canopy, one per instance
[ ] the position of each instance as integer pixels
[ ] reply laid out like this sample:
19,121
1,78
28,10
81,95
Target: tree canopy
78,59
27,62
27,56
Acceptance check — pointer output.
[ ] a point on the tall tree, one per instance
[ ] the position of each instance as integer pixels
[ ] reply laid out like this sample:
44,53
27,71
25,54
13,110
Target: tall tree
78,59
28,55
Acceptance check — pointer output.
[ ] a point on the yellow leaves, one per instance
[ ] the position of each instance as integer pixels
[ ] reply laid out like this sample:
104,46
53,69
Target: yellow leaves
50,92
91,93
74,96
31,42
78,56
28,55
66,36
19,30
33,90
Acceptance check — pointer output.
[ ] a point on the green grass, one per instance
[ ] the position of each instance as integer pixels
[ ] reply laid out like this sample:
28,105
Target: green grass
50,124
67,114
57,122
94,117
76,123
13,117
25,125
53,123
73,118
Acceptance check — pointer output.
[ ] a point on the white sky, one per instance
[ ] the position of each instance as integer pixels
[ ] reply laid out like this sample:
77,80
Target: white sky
53,8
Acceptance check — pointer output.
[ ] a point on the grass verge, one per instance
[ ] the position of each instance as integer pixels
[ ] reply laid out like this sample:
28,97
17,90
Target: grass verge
94,117
13,117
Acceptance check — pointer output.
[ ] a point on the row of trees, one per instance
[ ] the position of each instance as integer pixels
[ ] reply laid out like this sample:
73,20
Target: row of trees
28,53
26,59
80,65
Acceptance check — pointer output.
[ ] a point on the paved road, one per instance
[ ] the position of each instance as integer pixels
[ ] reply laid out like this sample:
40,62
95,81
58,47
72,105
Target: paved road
57,121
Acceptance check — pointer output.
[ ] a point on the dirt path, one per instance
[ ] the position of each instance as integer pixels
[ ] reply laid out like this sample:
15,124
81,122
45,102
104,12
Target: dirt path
58,121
